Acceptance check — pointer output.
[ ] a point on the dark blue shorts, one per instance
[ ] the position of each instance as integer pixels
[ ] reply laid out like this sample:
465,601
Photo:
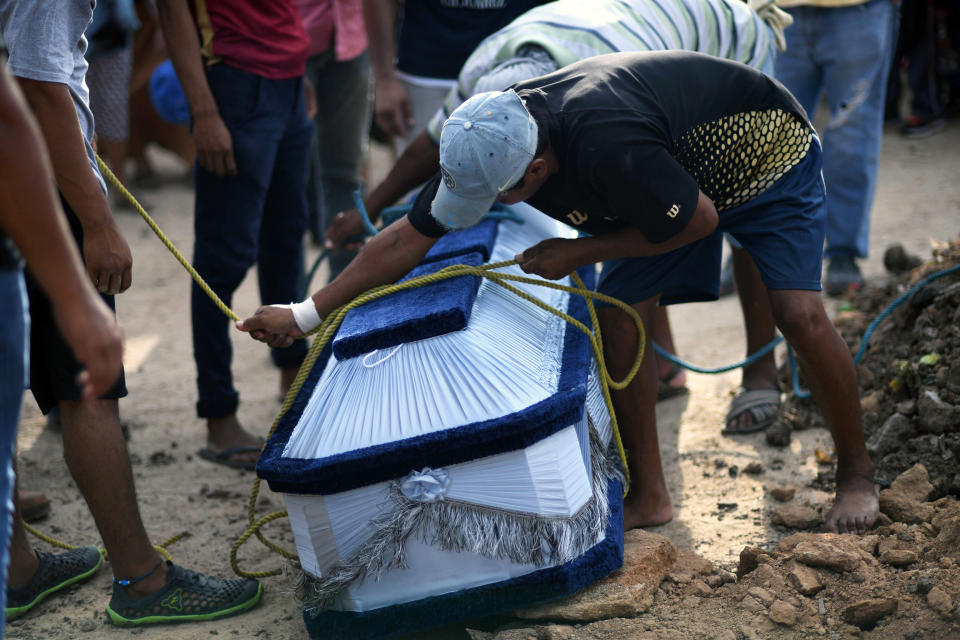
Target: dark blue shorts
782,230
53,367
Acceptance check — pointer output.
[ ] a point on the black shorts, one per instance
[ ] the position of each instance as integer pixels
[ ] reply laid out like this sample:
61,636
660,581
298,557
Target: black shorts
53,367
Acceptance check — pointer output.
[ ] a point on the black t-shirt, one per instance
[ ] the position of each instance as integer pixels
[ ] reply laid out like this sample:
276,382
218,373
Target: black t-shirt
638,135
437,36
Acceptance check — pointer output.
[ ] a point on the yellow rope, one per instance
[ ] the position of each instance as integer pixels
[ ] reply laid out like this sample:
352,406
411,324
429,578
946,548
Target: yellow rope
161,548
329,328
108,174
330,325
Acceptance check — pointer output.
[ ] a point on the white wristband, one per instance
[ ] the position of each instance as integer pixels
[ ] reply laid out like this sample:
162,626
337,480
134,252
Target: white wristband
305,315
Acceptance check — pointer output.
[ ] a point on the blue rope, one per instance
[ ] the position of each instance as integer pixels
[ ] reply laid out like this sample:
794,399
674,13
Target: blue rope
367,225
865,342
896,303
753,357
794,373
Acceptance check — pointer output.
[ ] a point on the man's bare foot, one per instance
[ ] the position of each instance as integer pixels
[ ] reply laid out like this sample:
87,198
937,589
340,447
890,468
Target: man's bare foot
646,509
856,507
226,433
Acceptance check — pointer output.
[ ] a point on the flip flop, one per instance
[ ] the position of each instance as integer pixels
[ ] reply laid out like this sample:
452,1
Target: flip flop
664,390
763,405
225,457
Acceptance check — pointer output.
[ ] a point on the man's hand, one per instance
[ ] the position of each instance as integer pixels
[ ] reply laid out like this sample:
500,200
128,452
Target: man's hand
91,331
551,259
108,258
343,231
392,108
214,145
273,325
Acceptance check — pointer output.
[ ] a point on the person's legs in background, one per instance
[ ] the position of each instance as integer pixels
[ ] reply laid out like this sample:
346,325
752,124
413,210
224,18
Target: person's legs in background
227,224
671,378
109,82
845,51
280,257
344,94
757,403
920,57
857,46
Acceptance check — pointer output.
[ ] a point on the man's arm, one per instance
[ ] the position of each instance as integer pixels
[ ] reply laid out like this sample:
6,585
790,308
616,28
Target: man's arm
391,102
556,257
389,256
106,253
214,144
418,163
30,213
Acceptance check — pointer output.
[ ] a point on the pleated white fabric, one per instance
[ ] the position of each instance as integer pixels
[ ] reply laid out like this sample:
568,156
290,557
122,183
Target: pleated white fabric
506,359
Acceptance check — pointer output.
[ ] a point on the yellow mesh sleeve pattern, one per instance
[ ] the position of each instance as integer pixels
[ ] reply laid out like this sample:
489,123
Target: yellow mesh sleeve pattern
737,158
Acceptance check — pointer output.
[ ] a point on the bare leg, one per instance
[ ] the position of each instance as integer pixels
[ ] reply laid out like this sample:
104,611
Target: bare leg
663,336
96,455
23,560
649,502
828,369
760,328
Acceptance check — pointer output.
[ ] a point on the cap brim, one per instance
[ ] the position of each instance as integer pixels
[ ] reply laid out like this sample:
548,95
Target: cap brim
455,212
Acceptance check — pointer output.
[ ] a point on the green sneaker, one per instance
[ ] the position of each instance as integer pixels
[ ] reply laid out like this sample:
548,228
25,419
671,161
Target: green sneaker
55,572
187,596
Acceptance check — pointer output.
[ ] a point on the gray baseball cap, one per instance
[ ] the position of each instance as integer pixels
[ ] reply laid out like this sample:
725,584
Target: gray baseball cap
485,147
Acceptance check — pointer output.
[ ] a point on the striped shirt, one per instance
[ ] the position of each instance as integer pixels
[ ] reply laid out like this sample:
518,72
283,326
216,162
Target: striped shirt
571,30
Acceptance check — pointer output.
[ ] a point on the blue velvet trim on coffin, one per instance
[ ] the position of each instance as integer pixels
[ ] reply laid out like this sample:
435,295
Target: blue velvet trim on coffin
415,314
479,238
524,591
362,467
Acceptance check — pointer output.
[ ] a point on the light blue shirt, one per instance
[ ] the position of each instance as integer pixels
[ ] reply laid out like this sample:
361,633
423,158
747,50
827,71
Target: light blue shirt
46,43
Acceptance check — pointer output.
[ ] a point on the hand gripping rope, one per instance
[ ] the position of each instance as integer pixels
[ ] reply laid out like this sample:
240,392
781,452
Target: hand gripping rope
328,329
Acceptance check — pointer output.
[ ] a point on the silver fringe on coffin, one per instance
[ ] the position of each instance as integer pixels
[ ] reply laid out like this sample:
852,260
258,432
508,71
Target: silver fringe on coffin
453,525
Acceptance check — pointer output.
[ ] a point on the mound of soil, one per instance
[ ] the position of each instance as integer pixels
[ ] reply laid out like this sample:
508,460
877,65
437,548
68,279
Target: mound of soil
901,580
909,376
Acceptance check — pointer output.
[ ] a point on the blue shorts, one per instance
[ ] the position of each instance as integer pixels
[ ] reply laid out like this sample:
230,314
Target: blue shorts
782,230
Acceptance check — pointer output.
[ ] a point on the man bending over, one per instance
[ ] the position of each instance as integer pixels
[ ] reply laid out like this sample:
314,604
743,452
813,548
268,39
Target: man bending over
654,155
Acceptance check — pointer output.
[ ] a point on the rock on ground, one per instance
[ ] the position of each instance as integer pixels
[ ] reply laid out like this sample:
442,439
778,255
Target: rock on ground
647,559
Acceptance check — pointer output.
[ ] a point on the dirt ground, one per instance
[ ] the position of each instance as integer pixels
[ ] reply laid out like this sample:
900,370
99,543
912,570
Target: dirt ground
720,508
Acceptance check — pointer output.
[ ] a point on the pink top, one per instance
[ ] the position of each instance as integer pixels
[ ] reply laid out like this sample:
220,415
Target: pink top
329,21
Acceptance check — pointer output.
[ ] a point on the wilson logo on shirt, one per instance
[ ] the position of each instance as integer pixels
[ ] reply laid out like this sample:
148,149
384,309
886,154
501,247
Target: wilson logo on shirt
674,210
576,218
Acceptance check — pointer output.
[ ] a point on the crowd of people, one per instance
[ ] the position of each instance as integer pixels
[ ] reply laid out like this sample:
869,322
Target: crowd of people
588,112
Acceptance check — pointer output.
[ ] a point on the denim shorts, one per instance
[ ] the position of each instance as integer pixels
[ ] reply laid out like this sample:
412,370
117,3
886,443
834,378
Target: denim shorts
782,229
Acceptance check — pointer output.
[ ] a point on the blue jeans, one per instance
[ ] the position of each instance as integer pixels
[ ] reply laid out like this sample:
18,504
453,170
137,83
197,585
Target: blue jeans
257,217
14,356
343,119
845,52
